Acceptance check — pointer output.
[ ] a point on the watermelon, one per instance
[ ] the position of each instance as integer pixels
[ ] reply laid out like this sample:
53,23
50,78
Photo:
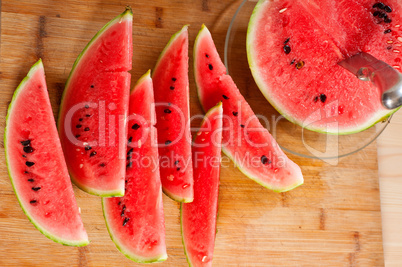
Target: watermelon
294,48
94,107
36,164
136,221
198,218
171,87
245,140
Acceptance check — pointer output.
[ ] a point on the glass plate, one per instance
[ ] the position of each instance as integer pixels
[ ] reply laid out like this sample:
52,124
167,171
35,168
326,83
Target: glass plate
291,137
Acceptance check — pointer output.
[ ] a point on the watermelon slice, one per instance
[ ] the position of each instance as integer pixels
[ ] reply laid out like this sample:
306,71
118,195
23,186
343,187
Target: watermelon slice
198,219
245,140
36,164
294,48
172,110
94,108
135,221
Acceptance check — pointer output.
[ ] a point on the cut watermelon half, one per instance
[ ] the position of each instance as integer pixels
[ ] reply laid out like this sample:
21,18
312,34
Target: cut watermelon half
294,48
245,140
94,109
36,164
172,110
136,221
198,219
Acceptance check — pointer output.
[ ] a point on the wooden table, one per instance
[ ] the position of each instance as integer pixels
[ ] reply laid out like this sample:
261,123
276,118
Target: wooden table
334,219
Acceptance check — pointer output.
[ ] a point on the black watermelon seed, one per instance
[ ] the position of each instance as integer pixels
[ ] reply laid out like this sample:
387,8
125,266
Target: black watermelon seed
225,97
389,47
122,211
206,55
287,49
86,129
88,148
78,126
86,106
387,31
316,99
33,201
323,98
235,113
102,164
128,158
130,151
286,41
36,188
376,13
29,163
176,162
26,172
265,160
26,142
119,203
174,79
28,149
24,156
242,125
292,62
129,165
379,5
168,111
125,221
382,15
80,119
168,142
130,139
88,115
93,153
78,135
210,66
92,86
178,169
171,87
387,20
388,9
135,126
31,180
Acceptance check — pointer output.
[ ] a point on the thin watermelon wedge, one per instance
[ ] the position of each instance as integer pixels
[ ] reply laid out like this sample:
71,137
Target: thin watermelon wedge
36,164
94,108
136,221
245,140
198,218
172,110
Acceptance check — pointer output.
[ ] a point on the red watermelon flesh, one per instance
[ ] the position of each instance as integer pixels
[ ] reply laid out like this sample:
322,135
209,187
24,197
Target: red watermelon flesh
172,110
294,48
245,140
136,221
36,164
94,108
198,219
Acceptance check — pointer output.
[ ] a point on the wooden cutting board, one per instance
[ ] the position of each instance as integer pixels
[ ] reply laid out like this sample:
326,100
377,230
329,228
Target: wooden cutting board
333,219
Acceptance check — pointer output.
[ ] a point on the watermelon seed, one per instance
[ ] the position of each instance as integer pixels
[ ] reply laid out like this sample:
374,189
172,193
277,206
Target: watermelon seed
122,211
225,97
171,87
78,135
26,172
293,61
323,98
129,157
376,13
242,125
28,149
88,148
80,119
300,64
36,188
102,164
24,156
265,160
185,186
176,162
174,79
130,151
93,153
389,47
286,41
130,139
210,67
382,15
31,180
78,126
88,115
119,203
387,31
33,201
168,111
86,106
387,20
315,99
26,143
388,9
206,55
92,86
86,129
129,165
287,49
235,113
168,142
135,126
178,169
125,221
29,163
379,5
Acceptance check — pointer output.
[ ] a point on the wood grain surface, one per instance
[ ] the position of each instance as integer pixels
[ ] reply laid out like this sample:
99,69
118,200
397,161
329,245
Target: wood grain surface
334,219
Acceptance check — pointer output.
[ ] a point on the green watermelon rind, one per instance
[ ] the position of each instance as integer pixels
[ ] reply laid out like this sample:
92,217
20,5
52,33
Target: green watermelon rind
127,14
34,68
224,150
120,247
219,105
167,47
382,115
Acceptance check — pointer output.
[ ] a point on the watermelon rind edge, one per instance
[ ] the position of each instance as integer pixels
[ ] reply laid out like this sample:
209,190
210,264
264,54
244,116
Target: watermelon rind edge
120,247
260,85
127,14
34,68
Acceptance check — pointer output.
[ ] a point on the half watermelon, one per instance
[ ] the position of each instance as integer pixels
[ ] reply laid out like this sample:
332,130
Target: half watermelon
198,219
136,222
294,48
245,140
36,164
94,109
173,112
